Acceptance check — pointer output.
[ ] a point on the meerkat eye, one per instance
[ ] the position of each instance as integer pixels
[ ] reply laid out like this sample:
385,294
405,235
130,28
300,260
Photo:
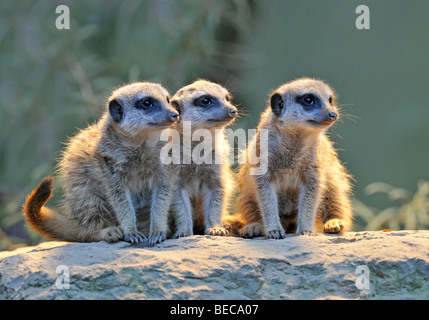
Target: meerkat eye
205,101
227,98
308,100
168,99
330,100
144,104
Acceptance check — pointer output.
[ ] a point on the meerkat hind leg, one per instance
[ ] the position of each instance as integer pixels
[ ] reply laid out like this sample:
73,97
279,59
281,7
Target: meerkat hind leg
218,231
111,234
254,229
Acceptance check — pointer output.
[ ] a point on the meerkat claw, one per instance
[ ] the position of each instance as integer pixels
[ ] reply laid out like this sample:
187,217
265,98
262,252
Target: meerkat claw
181,235
276,234
252,230
135,238
306,233
333,226
157,237
112,234
218,231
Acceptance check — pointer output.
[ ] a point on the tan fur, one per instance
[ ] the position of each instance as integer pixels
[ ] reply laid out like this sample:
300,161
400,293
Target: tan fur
202,194
111,173
306,187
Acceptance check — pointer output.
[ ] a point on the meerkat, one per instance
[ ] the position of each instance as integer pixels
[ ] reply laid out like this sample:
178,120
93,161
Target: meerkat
203,189
305,186
111,173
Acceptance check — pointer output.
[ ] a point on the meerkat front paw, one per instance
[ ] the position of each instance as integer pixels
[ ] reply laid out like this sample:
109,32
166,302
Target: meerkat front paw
178,235
333,226
157,237
217,231
113,234
252,230
305,233
135,238
276,234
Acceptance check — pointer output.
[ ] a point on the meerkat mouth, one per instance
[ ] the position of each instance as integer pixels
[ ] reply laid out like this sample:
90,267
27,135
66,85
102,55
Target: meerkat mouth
321,123
221,120
161,124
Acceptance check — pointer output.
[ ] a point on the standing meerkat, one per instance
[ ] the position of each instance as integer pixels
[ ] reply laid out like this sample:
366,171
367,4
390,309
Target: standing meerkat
112,170
305,184
203,189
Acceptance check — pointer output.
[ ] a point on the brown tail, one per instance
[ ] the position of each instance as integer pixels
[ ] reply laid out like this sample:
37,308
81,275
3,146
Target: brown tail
45,221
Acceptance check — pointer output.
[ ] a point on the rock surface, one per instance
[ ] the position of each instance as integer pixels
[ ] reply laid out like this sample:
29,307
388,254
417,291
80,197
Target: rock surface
203,267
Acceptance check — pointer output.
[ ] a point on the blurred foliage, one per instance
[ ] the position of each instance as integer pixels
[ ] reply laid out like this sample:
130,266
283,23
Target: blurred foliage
55,81
410,212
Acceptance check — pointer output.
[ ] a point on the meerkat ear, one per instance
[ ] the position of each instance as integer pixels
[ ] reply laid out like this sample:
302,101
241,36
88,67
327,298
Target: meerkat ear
176,106
276,104
116,110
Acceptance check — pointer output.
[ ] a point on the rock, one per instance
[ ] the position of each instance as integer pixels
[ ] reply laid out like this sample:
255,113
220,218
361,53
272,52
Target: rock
395,265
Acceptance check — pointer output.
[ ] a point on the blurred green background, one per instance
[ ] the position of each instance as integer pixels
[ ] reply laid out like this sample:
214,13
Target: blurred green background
56,81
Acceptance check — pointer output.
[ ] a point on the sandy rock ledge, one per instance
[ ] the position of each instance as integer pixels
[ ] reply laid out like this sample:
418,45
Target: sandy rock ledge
394,264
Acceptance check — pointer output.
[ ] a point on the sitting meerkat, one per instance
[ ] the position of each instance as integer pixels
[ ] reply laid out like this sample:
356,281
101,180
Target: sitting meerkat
110,170
305,184
203,188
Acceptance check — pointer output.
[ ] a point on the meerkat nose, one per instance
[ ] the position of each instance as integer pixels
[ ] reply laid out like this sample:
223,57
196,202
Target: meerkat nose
174,116
332,115
233,112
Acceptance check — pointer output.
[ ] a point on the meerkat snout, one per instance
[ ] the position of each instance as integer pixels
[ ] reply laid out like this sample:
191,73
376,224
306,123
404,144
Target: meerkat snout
229,113
332,116
174,116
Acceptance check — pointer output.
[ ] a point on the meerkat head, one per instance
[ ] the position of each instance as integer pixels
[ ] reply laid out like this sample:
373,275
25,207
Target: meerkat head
204,104
141,106
306,102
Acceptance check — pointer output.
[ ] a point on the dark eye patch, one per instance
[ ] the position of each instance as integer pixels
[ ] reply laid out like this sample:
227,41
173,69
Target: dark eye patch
308,101
205,101
146,103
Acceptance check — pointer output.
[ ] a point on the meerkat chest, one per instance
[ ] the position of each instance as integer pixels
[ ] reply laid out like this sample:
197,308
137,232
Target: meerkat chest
196,178
287,181
140,167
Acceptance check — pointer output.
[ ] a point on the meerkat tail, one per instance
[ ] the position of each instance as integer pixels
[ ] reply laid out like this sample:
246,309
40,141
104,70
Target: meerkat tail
52,225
